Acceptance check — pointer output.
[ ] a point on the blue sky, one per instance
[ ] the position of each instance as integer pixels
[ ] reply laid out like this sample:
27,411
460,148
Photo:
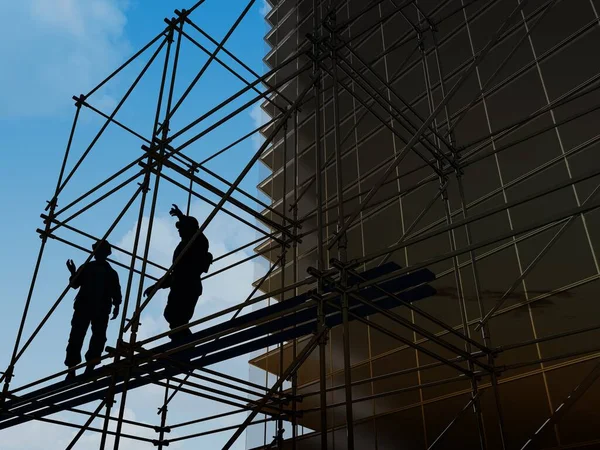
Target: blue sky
56,49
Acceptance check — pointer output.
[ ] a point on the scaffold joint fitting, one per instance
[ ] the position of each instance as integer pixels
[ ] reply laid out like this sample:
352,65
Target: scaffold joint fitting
51,204
44,234
145,187
79,101
182,15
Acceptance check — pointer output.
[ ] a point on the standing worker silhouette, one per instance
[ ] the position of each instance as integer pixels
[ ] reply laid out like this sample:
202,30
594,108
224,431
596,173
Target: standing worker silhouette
99,289
184,280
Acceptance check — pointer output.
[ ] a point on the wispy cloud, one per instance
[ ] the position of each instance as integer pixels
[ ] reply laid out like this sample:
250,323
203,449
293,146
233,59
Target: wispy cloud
259,117
45,436
264,8
57,49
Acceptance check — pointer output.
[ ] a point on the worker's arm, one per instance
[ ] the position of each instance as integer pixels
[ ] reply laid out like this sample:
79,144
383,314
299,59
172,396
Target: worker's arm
164,285
176,212
116,295
75,278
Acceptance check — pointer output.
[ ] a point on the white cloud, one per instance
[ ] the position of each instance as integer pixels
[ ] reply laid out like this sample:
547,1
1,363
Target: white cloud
259,117
57,49
264,8
36,435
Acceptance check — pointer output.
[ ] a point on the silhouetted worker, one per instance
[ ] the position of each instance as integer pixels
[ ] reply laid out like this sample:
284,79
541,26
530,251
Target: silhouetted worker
99,290
184,280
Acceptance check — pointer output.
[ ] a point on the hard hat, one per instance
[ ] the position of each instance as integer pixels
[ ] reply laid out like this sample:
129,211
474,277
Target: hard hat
187,223
102,248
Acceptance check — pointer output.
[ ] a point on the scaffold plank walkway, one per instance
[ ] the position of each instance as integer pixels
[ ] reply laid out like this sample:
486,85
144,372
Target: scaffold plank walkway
247,333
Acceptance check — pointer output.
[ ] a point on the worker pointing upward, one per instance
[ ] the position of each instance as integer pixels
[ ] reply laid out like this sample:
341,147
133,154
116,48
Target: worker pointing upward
184,281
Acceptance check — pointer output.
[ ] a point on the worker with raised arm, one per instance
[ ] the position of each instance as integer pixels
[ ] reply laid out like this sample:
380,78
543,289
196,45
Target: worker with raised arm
184,280
99,291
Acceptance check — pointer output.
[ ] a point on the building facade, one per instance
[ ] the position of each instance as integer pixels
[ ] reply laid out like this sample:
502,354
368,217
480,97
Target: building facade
495,198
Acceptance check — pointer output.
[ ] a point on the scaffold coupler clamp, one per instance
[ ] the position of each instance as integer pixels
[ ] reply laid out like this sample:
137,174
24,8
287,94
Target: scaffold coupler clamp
145,186
160,429
444,191
348,265
499,370
170,31
313,271
51,204
165,128
182,15
455,159
279,436
297,107
160,143
316,58
420,40
123,346
110,398
44,234
335,262
79,101
47,219
9,374
343,241
329,22
431,24
194,168
312,38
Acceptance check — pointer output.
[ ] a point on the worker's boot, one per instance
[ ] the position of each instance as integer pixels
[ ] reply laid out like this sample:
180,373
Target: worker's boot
90,366
71,374
89,369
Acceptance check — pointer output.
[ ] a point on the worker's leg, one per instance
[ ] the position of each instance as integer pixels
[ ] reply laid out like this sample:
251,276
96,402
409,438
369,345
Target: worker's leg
177,316
171,313
79,326
180,309
98,339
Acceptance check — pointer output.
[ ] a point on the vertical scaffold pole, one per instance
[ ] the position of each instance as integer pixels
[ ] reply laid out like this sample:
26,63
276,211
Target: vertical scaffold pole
165,130
320,256
485,333
282,274
456,266
295,247
193,171
343,240
295,280
163,418
109,400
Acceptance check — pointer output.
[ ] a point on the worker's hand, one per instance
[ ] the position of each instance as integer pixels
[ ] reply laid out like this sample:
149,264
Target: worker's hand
115,312
148,289
71,266
176,212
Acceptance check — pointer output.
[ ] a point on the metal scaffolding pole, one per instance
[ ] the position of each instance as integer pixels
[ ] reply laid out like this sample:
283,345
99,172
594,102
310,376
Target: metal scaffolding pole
343,242
562,409
296,363
317,80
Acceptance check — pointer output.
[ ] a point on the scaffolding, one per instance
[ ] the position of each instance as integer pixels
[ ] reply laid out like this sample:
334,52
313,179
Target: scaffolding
325,69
